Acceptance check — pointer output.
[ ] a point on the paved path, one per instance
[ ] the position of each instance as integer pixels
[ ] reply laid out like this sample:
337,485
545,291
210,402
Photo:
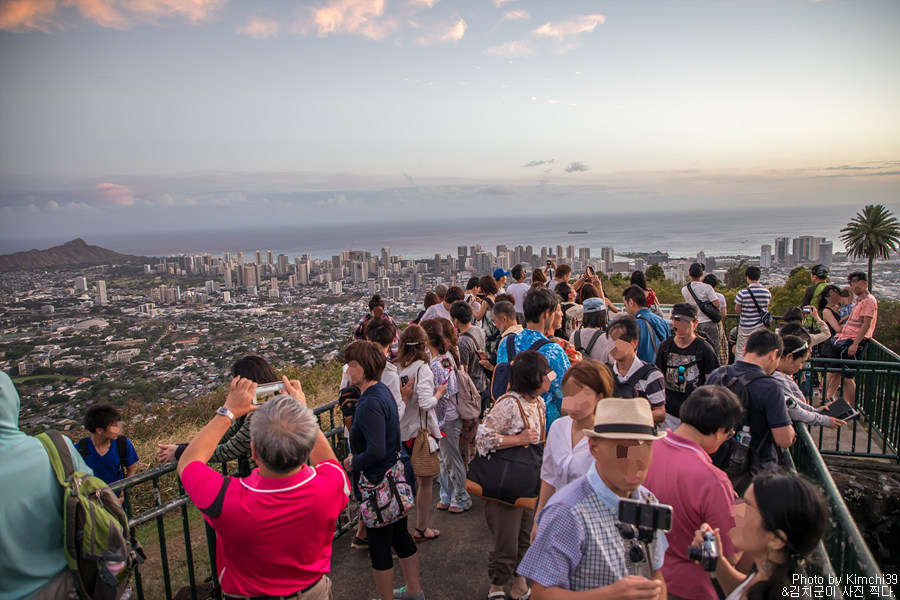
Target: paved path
453,567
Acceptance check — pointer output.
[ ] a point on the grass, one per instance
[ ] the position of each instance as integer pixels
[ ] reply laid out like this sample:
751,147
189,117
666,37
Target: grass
179,422
42,379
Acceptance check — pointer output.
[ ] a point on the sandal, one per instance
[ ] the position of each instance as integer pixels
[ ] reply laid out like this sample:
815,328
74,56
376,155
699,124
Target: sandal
500,595
442,506
457,509
524,596
422,535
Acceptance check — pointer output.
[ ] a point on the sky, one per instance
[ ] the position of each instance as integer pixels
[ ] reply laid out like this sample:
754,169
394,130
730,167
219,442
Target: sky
148,115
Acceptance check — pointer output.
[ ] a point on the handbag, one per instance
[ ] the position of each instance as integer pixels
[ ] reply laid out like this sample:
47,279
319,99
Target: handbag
706,307
765,317
425,463
389,500
511,476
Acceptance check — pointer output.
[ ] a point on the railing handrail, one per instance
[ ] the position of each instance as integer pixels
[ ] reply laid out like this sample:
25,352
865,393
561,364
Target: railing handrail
839,511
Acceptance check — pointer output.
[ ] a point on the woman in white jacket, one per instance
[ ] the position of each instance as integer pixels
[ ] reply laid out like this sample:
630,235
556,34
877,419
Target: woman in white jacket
420,396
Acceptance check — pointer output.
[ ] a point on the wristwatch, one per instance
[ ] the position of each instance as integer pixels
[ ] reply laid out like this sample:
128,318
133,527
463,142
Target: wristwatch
224,412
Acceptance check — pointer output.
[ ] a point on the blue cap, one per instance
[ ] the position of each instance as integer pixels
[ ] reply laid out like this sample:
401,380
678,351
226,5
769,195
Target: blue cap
592,305
498,273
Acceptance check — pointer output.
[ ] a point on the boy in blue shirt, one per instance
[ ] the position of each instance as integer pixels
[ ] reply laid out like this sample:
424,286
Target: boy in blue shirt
110,461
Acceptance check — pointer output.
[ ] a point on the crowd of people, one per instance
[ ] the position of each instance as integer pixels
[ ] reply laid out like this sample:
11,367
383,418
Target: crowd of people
584,406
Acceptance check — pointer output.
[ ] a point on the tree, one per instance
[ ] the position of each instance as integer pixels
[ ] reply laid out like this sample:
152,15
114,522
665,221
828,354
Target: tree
873,233
735,278
655,272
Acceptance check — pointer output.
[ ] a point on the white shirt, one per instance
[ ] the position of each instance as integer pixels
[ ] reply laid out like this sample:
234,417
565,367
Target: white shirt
704,291
420,408
436,311
563,463
601,348
518,291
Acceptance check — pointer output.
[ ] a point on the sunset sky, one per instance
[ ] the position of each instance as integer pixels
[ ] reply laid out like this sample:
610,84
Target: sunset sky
132,115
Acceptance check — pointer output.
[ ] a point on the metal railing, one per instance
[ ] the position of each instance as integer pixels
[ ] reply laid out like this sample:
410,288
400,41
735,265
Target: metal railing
157,498
843,554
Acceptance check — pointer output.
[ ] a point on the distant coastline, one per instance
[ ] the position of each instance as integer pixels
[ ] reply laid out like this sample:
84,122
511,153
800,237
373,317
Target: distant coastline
723,233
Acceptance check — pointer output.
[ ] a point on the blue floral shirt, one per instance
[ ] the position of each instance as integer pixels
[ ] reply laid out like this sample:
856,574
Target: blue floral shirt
558,360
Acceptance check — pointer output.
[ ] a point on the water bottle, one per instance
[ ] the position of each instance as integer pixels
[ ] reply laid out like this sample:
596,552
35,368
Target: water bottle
739,453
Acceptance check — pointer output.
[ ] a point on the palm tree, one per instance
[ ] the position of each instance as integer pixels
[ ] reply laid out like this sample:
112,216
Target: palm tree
873,233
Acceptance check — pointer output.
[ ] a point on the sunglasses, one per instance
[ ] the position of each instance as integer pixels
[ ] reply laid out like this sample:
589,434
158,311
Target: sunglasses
801,350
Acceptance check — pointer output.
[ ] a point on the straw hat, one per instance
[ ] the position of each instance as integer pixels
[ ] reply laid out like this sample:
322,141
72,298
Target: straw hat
624,419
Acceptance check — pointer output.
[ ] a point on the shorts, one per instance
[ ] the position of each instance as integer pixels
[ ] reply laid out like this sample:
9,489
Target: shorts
840,350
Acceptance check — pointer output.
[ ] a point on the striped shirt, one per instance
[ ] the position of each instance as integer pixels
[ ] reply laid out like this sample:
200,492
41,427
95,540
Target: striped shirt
750,315
652,386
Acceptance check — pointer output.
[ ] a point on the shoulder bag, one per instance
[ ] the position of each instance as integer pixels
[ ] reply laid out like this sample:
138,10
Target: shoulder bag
511,476
706,307
425,463
389,500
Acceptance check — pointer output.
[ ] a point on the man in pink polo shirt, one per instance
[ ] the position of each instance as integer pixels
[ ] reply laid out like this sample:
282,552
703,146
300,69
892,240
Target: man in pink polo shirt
854,337
273,528
682,475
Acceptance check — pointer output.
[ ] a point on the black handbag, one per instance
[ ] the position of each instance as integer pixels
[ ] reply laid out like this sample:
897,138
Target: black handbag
706,307
511,476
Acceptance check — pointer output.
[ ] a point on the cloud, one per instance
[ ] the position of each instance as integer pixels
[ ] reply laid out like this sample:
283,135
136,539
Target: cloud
501,2
453,33
423,3
336,201
569,28
577,167
260,28
515,15
49,15
537,163
407,177
514,49
348,17
113,194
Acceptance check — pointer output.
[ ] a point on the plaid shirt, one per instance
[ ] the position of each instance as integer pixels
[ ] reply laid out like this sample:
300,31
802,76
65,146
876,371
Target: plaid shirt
578,546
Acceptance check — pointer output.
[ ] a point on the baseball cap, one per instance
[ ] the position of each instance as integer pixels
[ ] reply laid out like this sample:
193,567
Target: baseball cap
498,273
683,311
593,305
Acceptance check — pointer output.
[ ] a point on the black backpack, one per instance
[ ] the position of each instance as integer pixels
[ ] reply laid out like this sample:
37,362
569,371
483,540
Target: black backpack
500,378
625,389
586,349
723,458
121,446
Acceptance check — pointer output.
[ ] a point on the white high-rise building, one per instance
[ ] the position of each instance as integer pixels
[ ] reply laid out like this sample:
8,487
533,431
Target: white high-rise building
101,292
765,256
81,284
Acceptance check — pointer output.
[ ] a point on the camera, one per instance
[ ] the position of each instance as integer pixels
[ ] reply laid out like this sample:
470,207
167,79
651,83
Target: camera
806,310
549,262
404,379
706,553
268,390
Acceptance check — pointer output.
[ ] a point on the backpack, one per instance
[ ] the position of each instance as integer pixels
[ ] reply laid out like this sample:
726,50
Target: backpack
625,389
586,350
101,552
500,377
468,398
121,446
722,458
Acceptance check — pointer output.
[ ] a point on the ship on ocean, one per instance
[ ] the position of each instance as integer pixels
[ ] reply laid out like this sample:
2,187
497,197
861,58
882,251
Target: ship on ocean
576,232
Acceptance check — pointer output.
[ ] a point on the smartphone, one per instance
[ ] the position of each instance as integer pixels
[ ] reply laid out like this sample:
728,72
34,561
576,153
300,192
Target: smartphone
549,262
806,310
265,391
589,271
644,515
404,379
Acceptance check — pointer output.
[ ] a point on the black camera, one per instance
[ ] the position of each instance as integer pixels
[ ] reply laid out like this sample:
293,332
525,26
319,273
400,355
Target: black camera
707,554
404,379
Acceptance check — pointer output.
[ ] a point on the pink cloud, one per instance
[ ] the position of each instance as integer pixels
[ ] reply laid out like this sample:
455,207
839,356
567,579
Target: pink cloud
47,15
260,28
569,28
452,33
114,194
349,17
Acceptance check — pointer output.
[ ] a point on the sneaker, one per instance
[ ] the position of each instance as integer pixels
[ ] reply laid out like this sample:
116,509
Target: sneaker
400,594
359,543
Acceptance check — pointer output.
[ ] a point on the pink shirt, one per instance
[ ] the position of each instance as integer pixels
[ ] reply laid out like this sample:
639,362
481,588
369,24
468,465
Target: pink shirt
682,475
865,306
273,535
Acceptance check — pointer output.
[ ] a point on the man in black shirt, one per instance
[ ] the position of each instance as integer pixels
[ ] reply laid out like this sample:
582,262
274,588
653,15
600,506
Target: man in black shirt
685,359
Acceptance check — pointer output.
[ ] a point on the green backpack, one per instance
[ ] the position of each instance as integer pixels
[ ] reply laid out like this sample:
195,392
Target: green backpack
100,551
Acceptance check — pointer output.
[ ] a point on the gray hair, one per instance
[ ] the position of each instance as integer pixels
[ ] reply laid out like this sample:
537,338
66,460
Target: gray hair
283,432
441,290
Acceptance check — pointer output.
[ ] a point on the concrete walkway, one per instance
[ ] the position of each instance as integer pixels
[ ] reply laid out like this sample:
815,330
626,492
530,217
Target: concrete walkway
453,567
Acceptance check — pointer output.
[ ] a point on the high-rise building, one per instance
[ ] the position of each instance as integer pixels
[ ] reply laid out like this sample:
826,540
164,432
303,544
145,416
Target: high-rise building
584,254
269,257
529,254
462,253
358,272
781,249
283,264
570,252
639,264
826,251
81,284
226,296
607,257
765,256
258,257
701,257
303,273
101,292
386,256
228,278
482,263
273,284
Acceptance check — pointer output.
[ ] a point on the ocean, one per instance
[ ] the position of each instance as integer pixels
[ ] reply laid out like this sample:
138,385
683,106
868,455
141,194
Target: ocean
683,233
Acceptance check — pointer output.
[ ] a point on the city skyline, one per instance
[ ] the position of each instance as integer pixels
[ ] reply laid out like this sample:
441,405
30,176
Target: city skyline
144,116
